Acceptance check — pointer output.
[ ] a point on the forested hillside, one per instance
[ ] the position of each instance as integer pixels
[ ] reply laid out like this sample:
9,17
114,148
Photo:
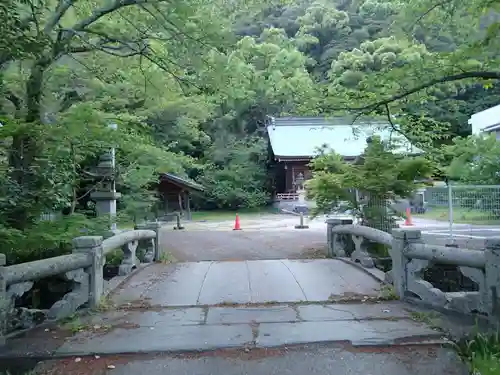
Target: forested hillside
336,36
189,82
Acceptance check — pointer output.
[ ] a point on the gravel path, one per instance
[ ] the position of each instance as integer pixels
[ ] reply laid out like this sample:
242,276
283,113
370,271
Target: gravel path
268,237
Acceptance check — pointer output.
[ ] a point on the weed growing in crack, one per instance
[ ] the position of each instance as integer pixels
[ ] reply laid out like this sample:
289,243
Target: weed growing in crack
105,304
388,293
429,318
68,319
77,326
166,257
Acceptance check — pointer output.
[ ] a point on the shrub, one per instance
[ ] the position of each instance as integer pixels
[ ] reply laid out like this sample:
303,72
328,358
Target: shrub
48,238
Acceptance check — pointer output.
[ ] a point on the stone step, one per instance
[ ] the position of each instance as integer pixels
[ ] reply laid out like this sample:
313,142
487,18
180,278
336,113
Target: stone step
200,329
195,329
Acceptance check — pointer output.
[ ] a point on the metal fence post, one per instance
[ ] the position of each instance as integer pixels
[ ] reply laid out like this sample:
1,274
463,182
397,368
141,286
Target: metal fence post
450,208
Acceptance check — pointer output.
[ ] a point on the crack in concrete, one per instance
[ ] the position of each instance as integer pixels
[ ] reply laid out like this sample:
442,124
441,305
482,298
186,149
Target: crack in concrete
205,314
297,313
341,310
203,282
295,278
248,279
342,300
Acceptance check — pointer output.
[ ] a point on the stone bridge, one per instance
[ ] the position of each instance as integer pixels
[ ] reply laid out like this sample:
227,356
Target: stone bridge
233,303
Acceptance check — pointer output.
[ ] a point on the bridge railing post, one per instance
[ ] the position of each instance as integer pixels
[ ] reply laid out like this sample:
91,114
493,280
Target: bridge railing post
4,302
401,239
156,250
337,244
492,273
92,245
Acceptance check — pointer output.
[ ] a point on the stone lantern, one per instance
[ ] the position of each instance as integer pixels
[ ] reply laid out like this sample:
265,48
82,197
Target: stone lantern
106,195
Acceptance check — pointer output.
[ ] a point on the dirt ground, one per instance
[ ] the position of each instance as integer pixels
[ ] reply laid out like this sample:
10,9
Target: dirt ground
268,237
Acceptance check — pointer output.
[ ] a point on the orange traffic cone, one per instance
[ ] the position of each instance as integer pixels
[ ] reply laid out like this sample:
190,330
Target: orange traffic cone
237,223
408,221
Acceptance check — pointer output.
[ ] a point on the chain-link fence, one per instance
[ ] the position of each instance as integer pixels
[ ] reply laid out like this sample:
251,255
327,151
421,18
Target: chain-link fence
461,210
378,213
463,204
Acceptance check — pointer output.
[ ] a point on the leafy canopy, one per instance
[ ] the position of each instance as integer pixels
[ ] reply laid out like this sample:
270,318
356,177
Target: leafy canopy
380,175
474,160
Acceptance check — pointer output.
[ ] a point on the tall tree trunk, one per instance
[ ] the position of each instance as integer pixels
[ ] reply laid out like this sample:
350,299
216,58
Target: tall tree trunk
25,148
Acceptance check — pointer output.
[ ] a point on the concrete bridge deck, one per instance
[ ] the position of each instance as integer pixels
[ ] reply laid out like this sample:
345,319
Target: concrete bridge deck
250,304
247,282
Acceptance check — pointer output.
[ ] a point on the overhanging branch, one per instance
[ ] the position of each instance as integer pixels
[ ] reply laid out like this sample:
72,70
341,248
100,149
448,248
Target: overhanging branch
393,125
109,44
101,12
119,51
428,11
451,78
14,99
61,9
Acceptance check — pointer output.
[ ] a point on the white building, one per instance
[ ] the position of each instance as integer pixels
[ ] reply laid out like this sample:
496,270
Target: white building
487,121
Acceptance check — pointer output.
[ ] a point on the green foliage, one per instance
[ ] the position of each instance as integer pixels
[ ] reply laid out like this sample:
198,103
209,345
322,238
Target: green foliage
130,65
19,40
324,29
380,67
237,176
482,352
47,238
380,55
114,257
379,177
259,77
270,75
190,82
373,56
388,293
436,66
474,160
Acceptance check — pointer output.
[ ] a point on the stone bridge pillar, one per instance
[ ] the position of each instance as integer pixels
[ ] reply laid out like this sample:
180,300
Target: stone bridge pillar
338,244
401,238
153,247
92,245
492,273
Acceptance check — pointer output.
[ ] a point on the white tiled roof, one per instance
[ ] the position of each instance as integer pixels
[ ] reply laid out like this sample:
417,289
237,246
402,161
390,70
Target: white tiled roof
301,136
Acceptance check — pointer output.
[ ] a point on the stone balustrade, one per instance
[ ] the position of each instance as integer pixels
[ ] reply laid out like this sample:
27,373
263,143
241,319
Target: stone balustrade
411,257
349,240
411,260
83,268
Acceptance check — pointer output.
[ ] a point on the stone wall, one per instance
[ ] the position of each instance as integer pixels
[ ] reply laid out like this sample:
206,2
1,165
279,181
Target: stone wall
412,258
